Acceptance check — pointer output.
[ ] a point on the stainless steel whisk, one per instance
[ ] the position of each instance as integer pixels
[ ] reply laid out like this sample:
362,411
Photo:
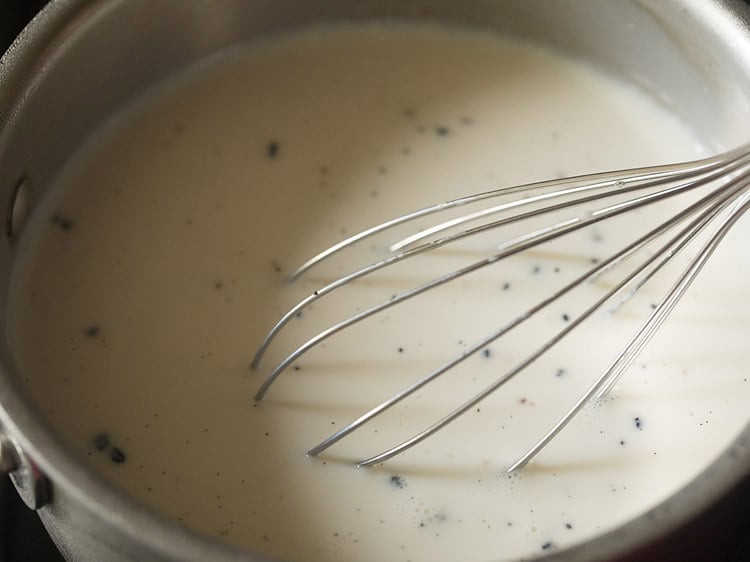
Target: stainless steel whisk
727,176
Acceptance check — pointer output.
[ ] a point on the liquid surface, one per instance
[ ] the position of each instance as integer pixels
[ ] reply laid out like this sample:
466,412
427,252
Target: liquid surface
154,272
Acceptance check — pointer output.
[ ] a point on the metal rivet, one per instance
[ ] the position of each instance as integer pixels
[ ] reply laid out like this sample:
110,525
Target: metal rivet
32,485
18,210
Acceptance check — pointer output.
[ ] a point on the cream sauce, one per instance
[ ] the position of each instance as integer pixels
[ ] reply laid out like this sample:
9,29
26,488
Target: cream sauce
153,273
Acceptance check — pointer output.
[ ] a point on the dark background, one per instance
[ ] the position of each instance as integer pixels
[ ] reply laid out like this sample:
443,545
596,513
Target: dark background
720,535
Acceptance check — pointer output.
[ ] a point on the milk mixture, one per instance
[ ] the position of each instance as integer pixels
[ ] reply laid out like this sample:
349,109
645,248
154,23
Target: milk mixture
155,270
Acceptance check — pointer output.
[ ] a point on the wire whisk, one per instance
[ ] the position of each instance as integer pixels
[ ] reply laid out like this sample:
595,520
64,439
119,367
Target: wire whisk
726,178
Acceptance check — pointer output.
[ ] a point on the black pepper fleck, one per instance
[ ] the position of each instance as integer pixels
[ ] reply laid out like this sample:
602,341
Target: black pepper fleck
397,481
117,455
63,223
272,150
92,331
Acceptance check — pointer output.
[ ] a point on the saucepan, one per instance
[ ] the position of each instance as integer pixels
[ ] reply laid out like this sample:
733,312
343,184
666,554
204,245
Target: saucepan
81,60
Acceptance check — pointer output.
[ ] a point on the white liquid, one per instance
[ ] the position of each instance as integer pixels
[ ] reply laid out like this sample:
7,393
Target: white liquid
154,273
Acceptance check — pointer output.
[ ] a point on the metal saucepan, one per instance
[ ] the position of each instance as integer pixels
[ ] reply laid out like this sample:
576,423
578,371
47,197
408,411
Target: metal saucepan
81,60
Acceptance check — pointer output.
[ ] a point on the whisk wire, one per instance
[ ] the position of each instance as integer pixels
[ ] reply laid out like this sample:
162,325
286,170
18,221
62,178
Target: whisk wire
526,242
623,184
610,376
672,247
729,172
599,180
708,170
